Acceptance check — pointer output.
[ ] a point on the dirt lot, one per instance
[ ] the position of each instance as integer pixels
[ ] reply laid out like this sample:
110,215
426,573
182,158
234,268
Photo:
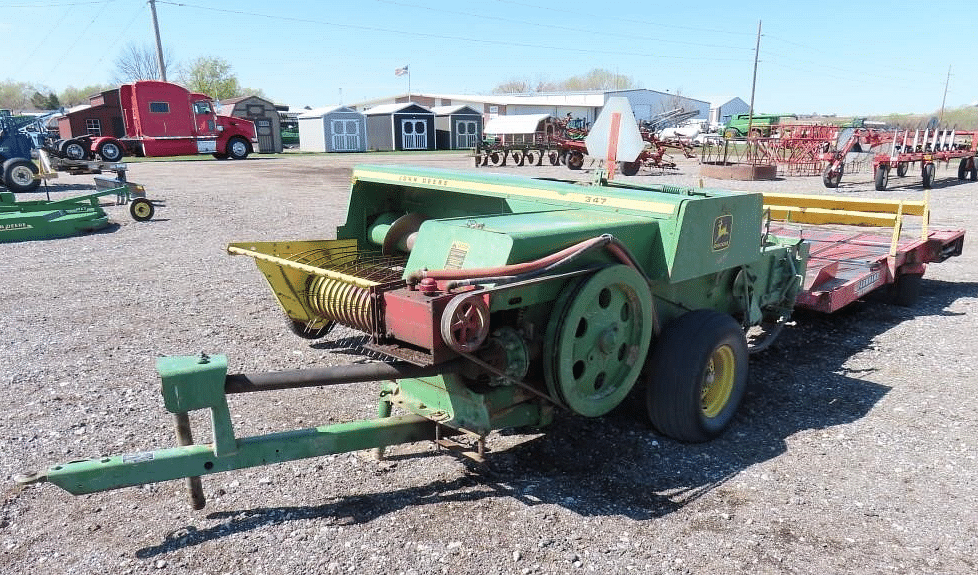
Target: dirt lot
854,451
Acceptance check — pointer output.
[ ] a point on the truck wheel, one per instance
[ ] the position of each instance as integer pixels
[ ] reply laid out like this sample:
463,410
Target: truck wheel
110,151
73,150
141,210
697,376
238,148
19,175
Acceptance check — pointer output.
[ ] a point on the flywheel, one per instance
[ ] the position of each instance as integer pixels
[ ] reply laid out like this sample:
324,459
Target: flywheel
597,340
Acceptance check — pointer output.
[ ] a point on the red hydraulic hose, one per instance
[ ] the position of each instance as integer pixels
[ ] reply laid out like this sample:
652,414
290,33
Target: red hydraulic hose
507,270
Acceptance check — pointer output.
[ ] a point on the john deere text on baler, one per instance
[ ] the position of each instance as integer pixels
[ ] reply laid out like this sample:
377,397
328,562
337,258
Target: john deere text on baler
503,299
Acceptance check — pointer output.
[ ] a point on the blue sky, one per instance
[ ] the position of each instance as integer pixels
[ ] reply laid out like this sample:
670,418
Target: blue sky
847,58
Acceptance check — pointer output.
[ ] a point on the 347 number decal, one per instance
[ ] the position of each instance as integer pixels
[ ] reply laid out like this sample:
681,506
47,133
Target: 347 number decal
595,200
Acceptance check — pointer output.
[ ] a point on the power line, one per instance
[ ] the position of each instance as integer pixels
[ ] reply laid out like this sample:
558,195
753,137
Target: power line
364,28
552,26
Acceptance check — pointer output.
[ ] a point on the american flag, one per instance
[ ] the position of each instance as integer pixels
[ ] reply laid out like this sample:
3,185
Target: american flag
401,71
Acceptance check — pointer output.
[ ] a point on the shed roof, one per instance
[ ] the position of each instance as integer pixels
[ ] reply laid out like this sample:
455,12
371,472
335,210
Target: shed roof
457,109
392,108
515,124
322,112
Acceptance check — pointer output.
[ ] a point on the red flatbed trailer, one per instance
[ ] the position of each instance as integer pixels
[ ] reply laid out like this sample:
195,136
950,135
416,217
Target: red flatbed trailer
844,266
848,262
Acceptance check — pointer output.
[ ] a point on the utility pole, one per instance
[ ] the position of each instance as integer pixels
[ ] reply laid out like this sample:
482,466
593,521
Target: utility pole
159,45
753,84
944,100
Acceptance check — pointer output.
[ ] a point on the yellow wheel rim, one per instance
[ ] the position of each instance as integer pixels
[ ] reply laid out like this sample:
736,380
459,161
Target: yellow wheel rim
142,210
718,381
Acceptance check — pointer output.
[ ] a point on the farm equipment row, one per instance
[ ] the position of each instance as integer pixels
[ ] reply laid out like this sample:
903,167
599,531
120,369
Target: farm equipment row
565,146
908,148
501,299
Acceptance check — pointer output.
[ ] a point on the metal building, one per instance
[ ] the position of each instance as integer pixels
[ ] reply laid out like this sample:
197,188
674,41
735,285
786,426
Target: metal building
265,116
335,129
407,126
457,127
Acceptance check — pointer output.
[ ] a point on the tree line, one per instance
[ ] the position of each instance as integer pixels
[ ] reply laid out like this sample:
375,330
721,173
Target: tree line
211,75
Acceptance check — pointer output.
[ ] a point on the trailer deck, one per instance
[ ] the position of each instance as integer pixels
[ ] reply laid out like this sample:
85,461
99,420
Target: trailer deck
847,261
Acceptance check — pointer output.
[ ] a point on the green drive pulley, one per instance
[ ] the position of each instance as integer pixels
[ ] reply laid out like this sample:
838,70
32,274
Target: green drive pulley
597,340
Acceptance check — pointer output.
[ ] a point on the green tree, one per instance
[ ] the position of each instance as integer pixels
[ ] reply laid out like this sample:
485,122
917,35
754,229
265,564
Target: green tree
42,102
211,76
19,95
596,79
72,96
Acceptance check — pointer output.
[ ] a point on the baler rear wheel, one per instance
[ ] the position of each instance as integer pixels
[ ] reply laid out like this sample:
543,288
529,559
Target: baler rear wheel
597,340
301,328
697,376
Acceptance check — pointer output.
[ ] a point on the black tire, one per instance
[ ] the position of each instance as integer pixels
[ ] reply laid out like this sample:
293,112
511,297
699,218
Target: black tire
830,177
20,175
927,175
518,157
678,401
110,151
497,158
220,156
575,160
299,328
532,157
238,148
73,150
554,157
902,168
630,168
905,290
963,169
141,210
882,177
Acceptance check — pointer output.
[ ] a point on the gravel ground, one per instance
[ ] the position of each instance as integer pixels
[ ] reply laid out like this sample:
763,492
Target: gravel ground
854,451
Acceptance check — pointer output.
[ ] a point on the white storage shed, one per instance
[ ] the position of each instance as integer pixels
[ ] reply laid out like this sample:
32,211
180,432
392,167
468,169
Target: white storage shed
336,129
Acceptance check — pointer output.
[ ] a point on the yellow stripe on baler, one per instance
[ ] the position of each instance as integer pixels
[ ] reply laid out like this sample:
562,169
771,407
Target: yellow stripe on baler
598,199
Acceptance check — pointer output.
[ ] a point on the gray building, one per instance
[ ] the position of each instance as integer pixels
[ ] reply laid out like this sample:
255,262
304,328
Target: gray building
336,129
457,127
722,113
646,104
396,127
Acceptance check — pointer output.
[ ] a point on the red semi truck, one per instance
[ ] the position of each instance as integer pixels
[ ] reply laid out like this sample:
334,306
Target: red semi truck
153,118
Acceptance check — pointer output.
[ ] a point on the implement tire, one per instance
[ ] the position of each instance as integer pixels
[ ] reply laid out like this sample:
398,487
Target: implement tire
697,376
20,175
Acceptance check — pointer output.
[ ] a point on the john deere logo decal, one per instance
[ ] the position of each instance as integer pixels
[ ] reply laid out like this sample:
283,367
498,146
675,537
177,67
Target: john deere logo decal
721,233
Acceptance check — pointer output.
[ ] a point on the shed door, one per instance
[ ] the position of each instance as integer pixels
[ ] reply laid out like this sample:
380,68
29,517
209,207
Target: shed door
414,135
346,135
466,134
266,140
